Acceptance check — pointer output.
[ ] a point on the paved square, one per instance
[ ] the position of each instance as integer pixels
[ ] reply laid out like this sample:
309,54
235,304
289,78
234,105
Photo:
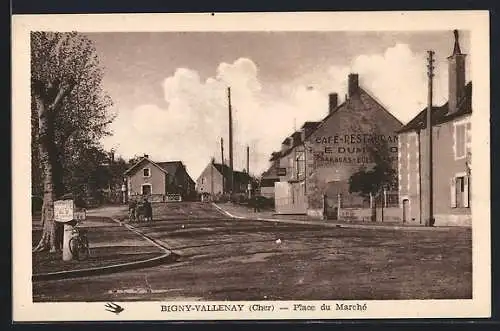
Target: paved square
229,259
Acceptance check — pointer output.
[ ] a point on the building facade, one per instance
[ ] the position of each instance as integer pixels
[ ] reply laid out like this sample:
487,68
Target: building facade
451,155
158,180
215,180
322,156
270,176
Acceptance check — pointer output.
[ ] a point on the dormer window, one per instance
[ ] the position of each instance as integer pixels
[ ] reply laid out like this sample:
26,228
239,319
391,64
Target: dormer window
146,172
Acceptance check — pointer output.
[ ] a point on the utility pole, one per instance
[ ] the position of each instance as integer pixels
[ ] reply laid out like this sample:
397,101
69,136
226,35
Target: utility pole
248,160
231,175
430,203
212,177
222,162
249,185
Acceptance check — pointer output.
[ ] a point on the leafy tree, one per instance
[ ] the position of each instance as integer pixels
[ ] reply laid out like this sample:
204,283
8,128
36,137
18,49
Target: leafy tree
70,113
381,175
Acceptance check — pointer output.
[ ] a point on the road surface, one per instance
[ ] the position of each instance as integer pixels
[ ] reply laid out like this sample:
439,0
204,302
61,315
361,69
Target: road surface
232,259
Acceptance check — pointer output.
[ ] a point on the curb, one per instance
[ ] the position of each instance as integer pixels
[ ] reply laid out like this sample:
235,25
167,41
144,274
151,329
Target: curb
336,225
167,256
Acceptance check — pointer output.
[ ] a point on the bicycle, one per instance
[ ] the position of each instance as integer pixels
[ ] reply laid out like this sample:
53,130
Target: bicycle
79,244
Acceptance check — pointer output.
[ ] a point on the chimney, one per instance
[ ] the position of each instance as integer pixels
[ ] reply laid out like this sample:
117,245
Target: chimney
146,156
456,75
333,100
353,84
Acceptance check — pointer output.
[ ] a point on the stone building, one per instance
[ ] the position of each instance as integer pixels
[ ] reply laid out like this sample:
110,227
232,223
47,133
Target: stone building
215,180
451,130
158,180
323,155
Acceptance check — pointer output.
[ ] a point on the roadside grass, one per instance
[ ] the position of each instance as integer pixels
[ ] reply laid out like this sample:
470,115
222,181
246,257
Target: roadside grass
109,244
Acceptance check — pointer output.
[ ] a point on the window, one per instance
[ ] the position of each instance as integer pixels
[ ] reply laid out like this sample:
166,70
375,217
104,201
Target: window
146,172
460,191
202,180
300,164
460,140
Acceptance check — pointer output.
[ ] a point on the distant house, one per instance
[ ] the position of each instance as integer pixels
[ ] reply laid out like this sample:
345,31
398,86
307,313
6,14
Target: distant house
215,179
159,180
451,131
270,176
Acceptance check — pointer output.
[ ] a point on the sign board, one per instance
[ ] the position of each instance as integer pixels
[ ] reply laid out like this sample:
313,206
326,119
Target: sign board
124,188
281,171
64,210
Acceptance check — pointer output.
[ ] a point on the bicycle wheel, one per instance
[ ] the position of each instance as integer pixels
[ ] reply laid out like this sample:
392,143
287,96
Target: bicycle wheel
83,249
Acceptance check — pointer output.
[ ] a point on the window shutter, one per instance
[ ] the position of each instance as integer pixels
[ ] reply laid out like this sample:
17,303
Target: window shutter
453,193
466,192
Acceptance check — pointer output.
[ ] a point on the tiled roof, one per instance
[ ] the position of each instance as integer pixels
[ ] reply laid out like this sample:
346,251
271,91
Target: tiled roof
140,161
441,114
297,140
239,176
316,125
311,125
171,166
275,156
286,140
272,172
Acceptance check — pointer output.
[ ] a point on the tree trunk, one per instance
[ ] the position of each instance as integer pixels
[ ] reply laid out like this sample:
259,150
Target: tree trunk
48,99
46,138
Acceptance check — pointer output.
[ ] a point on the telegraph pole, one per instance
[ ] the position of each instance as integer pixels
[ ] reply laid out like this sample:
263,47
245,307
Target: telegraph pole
248,160
222,158
430,203
249,185
231,184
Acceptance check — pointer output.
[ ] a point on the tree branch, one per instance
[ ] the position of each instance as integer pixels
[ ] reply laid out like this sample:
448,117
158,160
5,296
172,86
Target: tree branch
63,91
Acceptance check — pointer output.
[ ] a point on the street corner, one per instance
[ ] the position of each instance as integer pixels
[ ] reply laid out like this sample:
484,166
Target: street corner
111,248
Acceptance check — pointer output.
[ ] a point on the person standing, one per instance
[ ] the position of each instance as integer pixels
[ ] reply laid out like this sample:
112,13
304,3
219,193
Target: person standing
132,206
148,210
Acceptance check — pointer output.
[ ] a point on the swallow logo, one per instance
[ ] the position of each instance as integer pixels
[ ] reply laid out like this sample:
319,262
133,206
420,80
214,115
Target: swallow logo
114,308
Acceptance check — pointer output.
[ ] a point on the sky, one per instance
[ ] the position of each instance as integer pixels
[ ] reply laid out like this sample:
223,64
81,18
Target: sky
170,88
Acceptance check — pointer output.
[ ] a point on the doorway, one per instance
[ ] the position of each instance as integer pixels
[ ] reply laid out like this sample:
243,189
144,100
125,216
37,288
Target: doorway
146,189
406,210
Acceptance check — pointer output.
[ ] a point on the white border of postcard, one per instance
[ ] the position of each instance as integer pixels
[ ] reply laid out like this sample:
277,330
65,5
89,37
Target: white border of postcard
477,22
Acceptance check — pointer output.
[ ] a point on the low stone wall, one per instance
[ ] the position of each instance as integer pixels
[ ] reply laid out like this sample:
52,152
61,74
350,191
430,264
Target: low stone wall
151,198
355,214
390,215
453,220
290,210
395,215
315,213
173,198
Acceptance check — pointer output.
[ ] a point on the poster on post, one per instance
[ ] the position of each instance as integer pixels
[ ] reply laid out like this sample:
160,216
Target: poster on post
64,210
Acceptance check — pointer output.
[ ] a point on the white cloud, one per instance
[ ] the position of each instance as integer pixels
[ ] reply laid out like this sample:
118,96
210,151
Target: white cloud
397,78
190,127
